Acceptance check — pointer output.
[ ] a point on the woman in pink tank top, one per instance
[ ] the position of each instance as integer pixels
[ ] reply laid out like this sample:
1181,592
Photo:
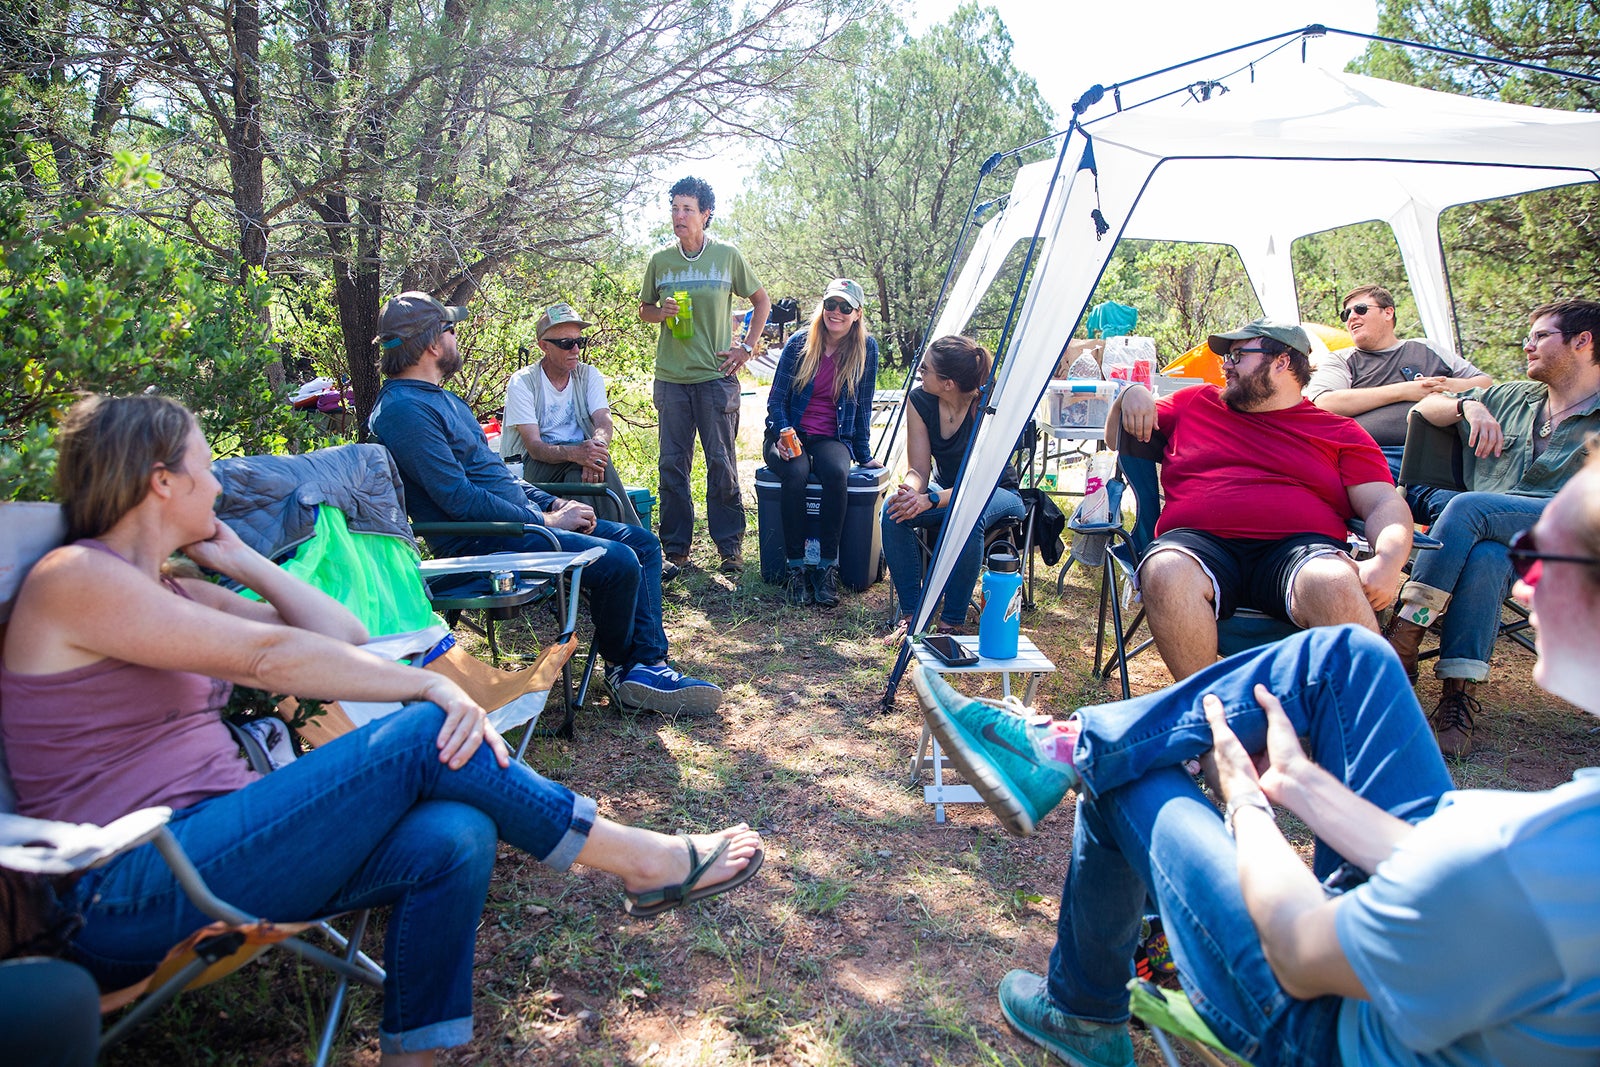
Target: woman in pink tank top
111,684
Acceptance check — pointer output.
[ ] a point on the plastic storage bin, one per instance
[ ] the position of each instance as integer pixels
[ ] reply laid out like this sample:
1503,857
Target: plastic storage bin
1080,404
860,544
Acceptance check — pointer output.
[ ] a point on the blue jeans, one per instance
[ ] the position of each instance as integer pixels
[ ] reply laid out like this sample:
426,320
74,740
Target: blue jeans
624,585
1474,567
905,558
370,819
709,410
1144,827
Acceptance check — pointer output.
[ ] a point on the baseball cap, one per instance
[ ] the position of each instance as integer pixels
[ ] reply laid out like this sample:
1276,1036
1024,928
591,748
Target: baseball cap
410,314
555,315
1284,332
848,289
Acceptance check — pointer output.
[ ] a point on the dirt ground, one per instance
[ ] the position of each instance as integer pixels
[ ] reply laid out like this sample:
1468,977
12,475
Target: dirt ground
872,936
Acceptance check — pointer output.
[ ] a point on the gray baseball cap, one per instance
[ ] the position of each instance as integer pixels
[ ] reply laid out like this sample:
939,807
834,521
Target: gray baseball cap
848,289
1284,332
410,314
555,315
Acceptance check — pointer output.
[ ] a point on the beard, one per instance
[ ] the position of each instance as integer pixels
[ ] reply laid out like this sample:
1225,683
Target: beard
449,363
1245,391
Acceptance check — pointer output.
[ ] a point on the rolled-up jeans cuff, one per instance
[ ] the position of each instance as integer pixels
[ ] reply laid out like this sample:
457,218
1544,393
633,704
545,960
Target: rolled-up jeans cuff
447,1034
1473,670
566,851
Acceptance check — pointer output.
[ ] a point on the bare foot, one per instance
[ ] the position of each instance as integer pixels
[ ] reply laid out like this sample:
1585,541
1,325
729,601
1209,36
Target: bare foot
898,634
670,865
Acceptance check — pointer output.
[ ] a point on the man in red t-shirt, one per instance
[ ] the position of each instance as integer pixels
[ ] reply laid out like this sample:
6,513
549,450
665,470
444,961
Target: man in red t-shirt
1259,483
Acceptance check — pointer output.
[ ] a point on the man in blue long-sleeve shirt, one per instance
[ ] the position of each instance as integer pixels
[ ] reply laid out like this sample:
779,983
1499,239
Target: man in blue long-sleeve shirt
450,475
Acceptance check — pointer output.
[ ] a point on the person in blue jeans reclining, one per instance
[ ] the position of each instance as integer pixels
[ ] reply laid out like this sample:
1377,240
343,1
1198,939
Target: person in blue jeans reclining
1436,926
451,475
114,676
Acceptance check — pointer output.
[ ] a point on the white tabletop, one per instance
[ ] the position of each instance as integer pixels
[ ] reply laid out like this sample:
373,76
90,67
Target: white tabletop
1028,660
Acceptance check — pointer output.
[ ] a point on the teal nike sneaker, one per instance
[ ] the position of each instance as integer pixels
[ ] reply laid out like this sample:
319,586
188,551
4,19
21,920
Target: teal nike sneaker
994,750
1026,1003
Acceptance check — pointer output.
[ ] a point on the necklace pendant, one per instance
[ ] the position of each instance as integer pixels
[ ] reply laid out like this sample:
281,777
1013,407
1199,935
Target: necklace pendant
1544,430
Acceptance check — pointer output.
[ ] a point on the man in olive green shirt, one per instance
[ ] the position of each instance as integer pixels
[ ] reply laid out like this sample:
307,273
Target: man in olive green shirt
1523,441
697,376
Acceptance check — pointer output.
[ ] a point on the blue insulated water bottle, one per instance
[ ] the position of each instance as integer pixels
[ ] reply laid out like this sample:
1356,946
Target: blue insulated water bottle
1000,621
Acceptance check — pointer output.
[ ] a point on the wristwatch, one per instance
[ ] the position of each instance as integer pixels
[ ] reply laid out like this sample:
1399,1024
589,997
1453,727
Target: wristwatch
933,495
1461,406
1253,799
747,349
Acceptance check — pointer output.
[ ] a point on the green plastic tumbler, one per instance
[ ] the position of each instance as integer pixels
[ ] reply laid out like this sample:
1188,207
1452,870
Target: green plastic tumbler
682,324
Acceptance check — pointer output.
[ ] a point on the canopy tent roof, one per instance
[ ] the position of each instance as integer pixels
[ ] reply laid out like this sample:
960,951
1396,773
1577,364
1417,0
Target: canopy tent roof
1298,151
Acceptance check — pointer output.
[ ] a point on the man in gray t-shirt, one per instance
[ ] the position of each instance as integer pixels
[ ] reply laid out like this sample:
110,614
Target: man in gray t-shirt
1379,380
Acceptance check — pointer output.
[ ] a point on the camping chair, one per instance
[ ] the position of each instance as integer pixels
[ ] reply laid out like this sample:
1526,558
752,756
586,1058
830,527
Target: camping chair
1168,1014
1435,456
41,850
334,518
453,597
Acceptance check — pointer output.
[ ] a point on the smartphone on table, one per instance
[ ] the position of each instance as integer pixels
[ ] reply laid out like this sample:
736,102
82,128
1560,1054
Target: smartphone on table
949,650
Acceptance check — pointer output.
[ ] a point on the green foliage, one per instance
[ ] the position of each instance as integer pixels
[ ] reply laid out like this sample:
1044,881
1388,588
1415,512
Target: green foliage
1183,291
1506,256
877,178
89,302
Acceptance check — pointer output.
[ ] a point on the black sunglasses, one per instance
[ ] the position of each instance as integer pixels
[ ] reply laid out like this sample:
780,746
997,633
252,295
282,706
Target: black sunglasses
1355,309
567,344
1525,557
449,327
843,307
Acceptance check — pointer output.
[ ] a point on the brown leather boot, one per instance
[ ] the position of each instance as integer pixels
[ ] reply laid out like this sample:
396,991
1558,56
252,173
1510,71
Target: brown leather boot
1452,719
1405,638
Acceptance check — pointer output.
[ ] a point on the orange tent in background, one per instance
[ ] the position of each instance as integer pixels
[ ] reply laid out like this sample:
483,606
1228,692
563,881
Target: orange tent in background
1200,362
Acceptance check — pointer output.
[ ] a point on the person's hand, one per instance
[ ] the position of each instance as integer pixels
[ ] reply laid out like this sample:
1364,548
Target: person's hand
735,358
1138,412
466,725
907,503
669,306
1270,772
570,515
1422,386
1486,438
590,455
872,465
223,552
590,476
1380,580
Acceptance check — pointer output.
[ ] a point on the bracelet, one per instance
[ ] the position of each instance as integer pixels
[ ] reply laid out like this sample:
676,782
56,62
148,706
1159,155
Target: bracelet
1253,799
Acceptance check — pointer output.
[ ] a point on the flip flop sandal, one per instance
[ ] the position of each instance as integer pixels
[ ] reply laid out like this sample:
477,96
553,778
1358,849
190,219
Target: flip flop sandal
653,902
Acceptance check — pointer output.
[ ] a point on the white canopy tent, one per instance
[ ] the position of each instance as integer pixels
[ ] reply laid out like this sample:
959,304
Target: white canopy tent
1299,151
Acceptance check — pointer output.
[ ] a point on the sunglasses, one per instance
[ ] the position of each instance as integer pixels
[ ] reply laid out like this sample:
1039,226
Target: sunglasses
843,307
449,327
567,344
1233,359
1528,562
1355,309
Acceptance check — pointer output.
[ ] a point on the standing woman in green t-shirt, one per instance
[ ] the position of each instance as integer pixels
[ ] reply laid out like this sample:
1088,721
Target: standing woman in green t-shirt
697,372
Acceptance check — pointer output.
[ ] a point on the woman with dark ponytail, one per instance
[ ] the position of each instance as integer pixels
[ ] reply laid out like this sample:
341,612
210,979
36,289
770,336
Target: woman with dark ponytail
939,423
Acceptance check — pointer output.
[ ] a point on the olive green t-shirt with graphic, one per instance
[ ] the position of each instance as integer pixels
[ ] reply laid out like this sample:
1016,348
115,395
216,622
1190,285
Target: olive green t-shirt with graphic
711,279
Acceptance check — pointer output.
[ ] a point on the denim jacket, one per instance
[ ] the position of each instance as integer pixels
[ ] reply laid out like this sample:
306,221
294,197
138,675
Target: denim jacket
785,404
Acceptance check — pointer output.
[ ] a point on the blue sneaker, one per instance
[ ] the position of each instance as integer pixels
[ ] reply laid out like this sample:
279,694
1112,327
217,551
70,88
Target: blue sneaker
662,689
1025,1000
994,751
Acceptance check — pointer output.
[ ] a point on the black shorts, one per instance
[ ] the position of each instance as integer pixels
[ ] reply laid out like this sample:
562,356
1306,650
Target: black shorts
1247,573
